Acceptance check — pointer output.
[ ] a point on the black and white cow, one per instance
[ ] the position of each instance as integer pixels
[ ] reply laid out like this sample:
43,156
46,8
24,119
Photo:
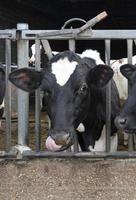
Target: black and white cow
74,88
127,118
44,57
2,91
120,80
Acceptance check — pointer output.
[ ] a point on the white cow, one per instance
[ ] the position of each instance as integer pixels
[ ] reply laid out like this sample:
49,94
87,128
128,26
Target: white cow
120,80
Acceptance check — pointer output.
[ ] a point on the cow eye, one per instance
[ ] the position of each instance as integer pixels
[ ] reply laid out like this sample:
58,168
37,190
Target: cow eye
47,93
83,89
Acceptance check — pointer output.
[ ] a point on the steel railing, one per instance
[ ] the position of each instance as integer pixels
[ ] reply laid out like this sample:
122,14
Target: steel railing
22,35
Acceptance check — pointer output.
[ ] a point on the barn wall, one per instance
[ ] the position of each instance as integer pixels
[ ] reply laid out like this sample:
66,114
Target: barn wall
57,179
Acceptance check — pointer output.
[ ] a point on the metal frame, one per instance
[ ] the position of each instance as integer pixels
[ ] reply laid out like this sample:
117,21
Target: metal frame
7,36
96,35
23,35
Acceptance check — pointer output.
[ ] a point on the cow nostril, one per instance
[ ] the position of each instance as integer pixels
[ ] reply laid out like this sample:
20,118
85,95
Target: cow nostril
67,138
122,121
64,139
61,138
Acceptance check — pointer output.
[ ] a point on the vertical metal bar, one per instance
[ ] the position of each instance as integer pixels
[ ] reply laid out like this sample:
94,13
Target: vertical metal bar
37,98
129,54
108,97
135,42
23,97
72,47
8,94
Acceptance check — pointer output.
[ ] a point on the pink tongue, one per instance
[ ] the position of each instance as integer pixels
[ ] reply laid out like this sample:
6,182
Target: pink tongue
51,145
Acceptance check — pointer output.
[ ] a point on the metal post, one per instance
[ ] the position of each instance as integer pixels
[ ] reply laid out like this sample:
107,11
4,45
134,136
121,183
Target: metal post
23,97
37,98
129,54
108,97
8,95
72,47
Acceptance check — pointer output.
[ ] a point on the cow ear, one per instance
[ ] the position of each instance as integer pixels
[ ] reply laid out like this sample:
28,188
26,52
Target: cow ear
100,75
26,79
128,70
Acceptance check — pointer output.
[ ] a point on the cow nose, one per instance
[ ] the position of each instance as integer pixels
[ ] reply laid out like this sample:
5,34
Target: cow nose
62,138
120,122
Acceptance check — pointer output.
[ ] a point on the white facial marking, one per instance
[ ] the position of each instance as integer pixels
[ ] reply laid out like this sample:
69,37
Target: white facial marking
2,105
92,54
81,128
100,145
62,69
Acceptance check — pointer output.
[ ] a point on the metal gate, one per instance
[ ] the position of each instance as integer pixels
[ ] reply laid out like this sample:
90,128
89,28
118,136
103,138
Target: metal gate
21,36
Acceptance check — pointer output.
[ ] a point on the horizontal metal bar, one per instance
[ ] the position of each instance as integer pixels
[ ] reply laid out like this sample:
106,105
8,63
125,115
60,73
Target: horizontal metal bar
50,34
8,34
97,34
76,31
16,67
4,154
92,155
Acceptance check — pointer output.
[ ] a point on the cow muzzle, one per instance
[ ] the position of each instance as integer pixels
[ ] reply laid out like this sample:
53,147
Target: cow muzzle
59,140
126,124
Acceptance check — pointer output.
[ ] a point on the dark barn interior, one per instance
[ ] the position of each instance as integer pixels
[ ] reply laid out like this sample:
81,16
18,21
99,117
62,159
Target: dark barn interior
52,14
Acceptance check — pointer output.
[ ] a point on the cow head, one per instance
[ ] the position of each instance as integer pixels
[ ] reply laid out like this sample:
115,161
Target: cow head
127,118
66,83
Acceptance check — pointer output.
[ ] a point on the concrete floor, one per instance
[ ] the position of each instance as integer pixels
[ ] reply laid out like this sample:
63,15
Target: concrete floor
68,179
